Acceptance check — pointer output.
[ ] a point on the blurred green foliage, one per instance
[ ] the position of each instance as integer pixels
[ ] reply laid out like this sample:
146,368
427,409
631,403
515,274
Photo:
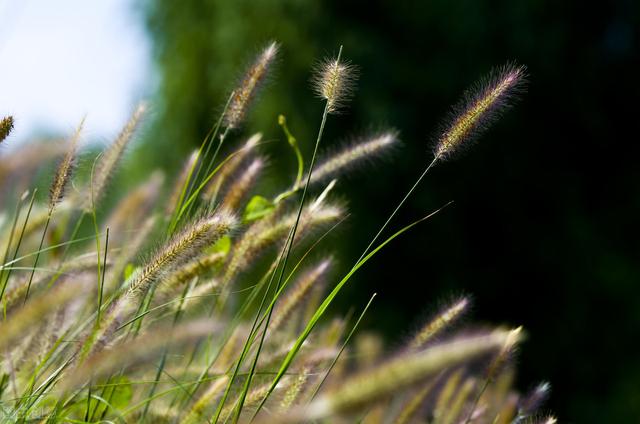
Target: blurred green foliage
544,230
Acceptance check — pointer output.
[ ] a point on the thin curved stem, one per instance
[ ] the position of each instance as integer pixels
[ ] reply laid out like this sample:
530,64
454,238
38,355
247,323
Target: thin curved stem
395,211
35,263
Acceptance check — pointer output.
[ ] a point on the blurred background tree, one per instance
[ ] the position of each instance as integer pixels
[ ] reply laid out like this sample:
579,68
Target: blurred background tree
544,231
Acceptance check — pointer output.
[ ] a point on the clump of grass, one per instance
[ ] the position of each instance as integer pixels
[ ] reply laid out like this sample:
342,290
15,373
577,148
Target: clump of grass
226,319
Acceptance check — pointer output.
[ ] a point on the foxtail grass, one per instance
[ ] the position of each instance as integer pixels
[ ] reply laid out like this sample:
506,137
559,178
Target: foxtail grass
209,298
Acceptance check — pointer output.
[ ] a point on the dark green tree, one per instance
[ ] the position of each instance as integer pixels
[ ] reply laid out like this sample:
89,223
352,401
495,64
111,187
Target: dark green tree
544,232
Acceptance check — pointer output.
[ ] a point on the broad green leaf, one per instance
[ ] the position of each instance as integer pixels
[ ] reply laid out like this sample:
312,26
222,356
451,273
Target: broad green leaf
128,271
122,393
221,246
257,208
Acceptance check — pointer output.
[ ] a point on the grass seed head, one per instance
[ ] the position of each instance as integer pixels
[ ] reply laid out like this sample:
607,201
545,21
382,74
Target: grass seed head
6,126
353,155
447,316
270,231
300,288
182,247
230,167
186,272
109,160
334,81
480,107
247,90
243,184
64,171
536,397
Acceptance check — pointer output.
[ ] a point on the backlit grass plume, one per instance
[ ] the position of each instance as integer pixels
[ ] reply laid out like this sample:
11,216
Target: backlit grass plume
61,179
201,300
182,248
334,81
64,171
480,106
247,89
109,160
440,322
230,167
240,188
353,155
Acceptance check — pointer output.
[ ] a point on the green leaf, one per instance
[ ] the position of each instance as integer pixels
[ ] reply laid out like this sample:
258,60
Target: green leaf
113,398
257,208
128,271
325,305
4,382
221,246
122,393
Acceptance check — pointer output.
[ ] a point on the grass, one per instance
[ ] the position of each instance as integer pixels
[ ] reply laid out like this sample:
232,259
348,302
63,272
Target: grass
206,302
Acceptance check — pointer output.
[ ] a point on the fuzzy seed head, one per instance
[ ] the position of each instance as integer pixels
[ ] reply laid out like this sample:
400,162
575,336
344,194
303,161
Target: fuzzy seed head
264,233
209,395
440,322
135,206
246,91
353,155
180,248
299,290
230,167
480,107
109,160
183,246
242,185
185,273
6,125
334,81
530,403
64,171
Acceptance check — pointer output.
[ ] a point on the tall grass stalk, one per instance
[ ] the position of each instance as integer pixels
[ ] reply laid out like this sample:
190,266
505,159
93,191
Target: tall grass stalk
334,87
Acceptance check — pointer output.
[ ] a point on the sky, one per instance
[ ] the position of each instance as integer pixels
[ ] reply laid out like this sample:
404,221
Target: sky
66,59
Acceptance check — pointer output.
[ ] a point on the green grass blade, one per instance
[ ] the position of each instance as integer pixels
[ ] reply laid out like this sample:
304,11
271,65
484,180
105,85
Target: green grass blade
325,304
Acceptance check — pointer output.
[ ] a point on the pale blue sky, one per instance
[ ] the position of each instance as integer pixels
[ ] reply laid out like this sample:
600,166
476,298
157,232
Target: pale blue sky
63,59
